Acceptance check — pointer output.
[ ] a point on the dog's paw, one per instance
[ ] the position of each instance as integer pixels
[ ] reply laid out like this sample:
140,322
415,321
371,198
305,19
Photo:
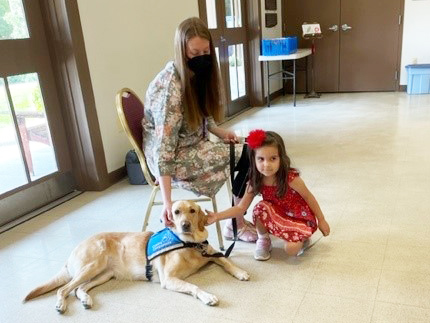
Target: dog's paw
61,307
241,275
207,298
87,303
86,300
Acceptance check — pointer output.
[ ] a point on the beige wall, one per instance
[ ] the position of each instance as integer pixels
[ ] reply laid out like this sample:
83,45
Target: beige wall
127,43
416,26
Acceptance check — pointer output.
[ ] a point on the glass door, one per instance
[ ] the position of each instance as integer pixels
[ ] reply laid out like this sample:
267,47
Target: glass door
227,24
35,166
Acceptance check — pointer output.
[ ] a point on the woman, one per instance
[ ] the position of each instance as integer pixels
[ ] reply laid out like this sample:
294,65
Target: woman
183,103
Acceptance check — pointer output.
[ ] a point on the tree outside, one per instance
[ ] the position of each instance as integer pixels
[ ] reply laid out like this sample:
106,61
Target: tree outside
12,20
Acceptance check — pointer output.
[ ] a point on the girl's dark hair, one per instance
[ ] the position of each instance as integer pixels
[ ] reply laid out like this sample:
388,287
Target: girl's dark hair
256,179
215,100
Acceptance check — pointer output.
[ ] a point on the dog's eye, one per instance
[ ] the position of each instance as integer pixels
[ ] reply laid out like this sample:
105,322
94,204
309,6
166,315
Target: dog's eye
176,211
193,211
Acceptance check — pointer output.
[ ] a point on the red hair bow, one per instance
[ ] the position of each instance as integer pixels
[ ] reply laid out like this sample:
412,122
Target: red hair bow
256,138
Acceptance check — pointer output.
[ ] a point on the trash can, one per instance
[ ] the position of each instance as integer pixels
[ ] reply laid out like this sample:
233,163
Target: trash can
418,78
134,171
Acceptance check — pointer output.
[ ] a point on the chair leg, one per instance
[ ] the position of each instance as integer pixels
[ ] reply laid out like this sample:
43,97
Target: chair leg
218,226
229,189
149,207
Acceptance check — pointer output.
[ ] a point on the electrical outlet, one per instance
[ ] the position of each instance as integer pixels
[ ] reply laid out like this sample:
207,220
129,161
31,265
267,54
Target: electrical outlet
414,60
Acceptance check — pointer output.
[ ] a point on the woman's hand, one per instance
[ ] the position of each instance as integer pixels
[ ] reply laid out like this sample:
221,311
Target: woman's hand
226,135
324,227
166,215
230,137
212,217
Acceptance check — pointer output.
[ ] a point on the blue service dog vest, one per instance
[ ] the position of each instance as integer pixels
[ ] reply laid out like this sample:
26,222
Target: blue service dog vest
166,240
161,242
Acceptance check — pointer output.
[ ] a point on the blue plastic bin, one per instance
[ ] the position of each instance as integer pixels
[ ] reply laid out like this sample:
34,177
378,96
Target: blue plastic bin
279,46
418,78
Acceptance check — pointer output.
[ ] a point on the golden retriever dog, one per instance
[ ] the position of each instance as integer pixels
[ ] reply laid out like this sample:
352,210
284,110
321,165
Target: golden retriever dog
122,255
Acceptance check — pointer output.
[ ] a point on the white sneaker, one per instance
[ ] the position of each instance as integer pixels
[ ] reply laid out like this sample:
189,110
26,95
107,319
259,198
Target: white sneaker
263,248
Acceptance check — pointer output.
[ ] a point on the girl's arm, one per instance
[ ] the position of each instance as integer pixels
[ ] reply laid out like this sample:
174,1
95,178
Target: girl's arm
299,186
234,211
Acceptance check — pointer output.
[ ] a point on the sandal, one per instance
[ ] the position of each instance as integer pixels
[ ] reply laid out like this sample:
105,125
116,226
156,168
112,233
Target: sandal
246,233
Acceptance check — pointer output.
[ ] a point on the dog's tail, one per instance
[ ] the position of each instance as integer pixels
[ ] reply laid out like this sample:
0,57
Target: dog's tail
62,278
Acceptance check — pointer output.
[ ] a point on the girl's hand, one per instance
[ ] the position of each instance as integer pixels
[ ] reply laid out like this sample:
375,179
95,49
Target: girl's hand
324,227
166,215
212,217
230,137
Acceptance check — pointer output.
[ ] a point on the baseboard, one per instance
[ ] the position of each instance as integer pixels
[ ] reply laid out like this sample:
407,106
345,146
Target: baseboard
274,95
117,175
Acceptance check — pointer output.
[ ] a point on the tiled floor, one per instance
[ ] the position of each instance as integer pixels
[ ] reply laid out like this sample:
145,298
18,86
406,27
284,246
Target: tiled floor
365,157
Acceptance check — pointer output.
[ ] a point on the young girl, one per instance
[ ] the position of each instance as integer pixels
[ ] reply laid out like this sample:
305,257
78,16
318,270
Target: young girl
288,209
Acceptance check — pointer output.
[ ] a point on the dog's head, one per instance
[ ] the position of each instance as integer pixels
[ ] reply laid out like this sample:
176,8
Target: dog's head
189,221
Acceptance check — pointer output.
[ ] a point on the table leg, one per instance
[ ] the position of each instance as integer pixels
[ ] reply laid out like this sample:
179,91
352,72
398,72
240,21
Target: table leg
268,84
294,81
306,73
284,82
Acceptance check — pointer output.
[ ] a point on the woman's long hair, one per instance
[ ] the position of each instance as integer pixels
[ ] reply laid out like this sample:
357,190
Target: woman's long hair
215,102
256,178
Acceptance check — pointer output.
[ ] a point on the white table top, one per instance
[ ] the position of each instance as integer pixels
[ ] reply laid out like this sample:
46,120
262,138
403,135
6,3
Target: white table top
301,52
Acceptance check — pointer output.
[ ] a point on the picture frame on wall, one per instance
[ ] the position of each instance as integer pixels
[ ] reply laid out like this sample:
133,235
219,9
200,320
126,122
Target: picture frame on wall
270,4
271,20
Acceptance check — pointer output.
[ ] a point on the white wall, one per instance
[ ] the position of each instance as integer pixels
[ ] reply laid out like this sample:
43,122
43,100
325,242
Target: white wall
127,43
274,32
416,32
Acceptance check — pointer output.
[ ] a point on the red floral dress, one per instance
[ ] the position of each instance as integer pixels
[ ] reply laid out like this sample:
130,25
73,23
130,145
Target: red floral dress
288,217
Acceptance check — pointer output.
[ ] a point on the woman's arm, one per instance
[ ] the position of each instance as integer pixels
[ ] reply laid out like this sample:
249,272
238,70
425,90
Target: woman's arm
166,193
299,186
224,134
164,100
234,211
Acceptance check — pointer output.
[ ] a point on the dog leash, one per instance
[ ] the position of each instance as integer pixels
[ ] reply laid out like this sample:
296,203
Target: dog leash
234,223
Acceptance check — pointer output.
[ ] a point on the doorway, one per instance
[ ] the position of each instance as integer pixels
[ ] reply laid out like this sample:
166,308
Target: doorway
35,166
227,23
360,48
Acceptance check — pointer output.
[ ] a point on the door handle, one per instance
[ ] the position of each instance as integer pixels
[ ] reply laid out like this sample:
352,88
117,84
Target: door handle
345,27
222,39
333,28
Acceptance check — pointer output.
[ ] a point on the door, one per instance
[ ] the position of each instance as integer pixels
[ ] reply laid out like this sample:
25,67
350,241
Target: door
369,35
326,58
360,56
226,21
35,166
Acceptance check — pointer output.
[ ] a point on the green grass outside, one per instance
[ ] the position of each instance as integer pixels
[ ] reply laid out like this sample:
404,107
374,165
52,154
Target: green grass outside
25,97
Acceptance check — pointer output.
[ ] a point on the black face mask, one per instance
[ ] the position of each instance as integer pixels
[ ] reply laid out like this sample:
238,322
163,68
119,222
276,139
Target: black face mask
201,65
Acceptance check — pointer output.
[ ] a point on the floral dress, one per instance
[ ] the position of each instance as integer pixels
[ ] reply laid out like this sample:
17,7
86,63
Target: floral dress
288,217
172,149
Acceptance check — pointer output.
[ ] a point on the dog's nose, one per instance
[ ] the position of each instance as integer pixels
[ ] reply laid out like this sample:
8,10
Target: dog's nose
186,226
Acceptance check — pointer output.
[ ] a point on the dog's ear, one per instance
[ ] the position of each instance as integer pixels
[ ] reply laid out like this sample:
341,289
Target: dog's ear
202,220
